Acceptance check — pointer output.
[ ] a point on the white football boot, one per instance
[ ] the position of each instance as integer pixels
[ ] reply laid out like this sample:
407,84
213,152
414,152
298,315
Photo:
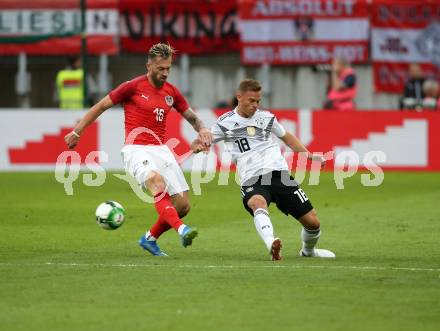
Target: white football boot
324,253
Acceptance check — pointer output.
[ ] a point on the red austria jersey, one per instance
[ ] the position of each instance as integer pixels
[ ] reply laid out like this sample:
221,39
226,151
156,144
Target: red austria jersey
146,109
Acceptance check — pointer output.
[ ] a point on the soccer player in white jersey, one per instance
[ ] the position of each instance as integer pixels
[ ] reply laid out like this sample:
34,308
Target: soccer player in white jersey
263,171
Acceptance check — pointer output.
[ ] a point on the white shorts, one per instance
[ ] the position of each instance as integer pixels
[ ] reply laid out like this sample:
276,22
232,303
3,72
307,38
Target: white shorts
140,160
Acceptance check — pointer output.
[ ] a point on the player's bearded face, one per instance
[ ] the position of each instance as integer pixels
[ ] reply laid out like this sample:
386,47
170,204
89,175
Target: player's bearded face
158,70
248,102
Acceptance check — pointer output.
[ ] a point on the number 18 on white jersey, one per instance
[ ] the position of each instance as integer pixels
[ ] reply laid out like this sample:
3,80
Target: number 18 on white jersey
250,142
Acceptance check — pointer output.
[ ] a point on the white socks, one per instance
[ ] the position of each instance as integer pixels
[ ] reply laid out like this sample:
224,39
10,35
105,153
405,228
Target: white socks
149,236
309,239
181,228
264,226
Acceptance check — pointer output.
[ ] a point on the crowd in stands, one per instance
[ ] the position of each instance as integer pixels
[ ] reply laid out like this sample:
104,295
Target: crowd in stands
420,93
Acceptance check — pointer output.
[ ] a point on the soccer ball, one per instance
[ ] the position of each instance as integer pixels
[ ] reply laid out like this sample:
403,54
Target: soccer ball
110,215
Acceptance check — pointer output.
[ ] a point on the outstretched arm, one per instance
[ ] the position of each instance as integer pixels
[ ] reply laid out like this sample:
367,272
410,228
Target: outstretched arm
217,136
297,146
72,138
205,135
197,146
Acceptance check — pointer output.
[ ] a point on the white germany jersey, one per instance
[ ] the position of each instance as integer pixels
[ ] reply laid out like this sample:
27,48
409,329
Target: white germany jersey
250,142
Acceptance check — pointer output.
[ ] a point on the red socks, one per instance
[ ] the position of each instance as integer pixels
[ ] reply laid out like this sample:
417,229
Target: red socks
159,227
168,216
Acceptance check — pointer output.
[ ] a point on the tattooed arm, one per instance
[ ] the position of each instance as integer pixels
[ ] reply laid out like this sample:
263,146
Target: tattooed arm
205,135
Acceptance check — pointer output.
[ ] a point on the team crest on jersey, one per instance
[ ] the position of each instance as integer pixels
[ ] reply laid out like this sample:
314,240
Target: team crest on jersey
169,100
251,131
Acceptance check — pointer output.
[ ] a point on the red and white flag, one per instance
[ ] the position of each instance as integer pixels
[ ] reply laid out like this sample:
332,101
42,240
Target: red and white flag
48,27
404,32
299,31
192,26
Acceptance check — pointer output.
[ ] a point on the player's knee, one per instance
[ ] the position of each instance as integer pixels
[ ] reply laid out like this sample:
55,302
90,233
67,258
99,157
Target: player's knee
183,209
310,220
257,201
155,183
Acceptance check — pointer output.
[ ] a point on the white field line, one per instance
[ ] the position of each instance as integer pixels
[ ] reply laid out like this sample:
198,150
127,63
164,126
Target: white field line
188,266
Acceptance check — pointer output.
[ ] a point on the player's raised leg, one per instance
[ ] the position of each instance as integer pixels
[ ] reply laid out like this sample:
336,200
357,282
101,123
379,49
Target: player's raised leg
182,205
166,209
264,225
310,234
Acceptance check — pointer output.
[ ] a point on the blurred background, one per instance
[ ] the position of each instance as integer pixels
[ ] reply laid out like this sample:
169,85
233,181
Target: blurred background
367,70
289,45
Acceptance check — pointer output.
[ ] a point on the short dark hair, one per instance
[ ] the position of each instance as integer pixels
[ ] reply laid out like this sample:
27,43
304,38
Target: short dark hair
249,85
73,60
160,50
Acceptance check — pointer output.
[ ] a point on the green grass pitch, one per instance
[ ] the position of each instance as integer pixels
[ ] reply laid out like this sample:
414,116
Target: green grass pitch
60,271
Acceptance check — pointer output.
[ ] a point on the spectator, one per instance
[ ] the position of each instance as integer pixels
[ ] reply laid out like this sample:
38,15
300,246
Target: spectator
414,85
431,101
413,91
342,86
69,85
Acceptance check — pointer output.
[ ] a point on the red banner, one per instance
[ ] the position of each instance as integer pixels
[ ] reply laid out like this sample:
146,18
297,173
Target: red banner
303,32
190,26
404,32
44,27
393,140
398,140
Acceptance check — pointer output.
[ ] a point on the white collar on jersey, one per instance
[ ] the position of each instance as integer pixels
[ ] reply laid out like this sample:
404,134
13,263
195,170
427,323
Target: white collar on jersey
246,118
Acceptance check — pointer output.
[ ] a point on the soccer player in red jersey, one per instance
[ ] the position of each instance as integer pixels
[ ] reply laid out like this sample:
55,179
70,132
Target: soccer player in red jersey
147,100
